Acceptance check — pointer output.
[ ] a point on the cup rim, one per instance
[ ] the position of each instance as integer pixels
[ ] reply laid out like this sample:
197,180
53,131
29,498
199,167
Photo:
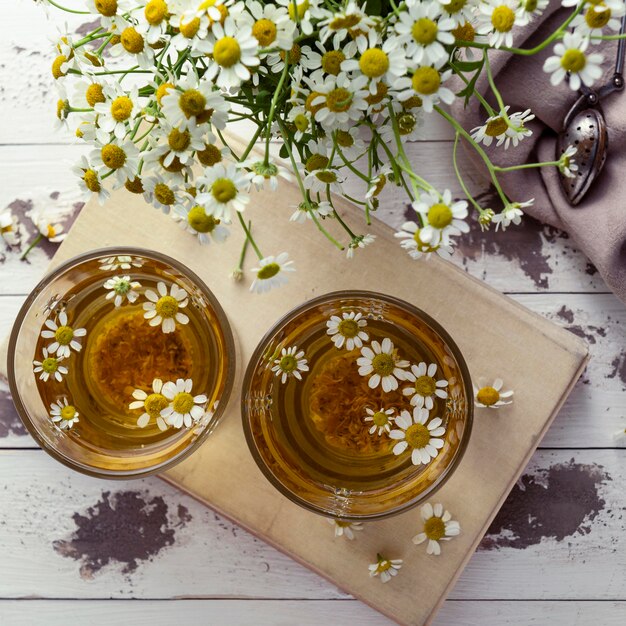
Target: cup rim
355,294
225,326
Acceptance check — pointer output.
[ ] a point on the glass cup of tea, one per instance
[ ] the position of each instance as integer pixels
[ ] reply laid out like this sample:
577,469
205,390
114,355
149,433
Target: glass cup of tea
357,405
121,362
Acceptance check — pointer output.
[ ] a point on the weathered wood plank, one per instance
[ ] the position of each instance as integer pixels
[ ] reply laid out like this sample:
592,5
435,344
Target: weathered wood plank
66,534
301,612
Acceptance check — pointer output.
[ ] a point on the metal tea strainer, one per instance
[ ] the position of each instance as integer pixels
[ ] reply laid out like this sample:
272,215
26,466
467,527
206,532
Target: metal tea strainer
584,127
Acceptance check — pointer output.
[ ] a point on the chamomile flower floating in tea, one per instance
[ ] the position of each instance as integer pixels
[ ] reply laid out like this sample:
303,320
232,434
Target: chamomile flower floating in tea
381,363
121,262
419,435
347,330
122,288
438,525
65,337
291,362
184,408
345,529
152,405
63,414
164,308
492,396
425,385
49,367
385,568
382,420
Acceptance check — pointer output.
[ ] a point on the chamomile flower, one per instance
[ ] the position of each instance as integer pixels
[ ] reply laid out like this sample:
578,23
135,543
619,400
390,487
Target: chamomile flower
119,109
270,25
301,119
340,101
425,32
419,435
49,367
152,22
496,18
349,143
184,408
597,17
152,404
192,28
133,44
324,180
347,330
570,59
410,234
377,183
459,11
409,124
272,272
345,23
529,10
65,337
63,414
290,363
306,210
122,262
345,529
262,174
382,420
9,228
164,308
441,216
110,11
234,51
226,190
428,83
425,385
302,57
302,13
119,157
197,222
438,525
380,362
496,127
121,288
567,164
511,214
163,193
492,396
90,181
47,227
385,568
359,242
173,147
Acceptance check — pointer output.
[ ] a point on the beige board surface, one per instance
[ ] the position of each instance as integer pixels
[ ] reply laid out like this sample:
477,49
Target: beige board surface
497,336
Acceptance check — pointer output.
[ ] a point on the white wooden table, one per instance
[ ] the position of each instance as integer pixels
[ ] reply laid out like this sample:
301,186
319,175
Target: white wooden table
77,550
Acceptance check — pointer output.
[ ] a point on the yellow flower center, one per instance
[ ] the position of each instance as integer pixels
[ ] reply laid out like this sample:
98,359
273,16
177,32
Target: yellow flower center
406,123
49,365
177,140
200,221
573,60
435,528
487,396
301,122
162,90
348,328
332,60
417,436
425,386
135,185
91,180
496,127
380,184
503,18
132,41
56,66
288,363
63,108
326,176
94,94
51,231
426,80
167,306
154,404
68,412
295,54
464,32
309,106
383,566
192,103
210,155
380,418
155,12
454,5
121,108
381,92
264,31
316,162
164,194
64,335
190,29
297,13
182,403
597,19
108,8
440,215
374,63
224,190
424,31
344,139
113,156
226,51
383,364
339,100
268,271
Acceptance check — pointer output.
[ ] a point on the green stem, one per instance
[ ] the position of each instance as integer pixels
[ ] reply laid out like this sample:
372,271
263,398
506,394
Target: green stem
486,105
249,235
244,249
270,116
248,149
37,239
526,166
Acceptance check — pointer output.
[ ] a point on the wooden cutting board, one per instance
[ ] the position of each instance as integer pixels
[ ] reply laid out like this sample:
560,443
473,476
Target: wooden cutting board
497,336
